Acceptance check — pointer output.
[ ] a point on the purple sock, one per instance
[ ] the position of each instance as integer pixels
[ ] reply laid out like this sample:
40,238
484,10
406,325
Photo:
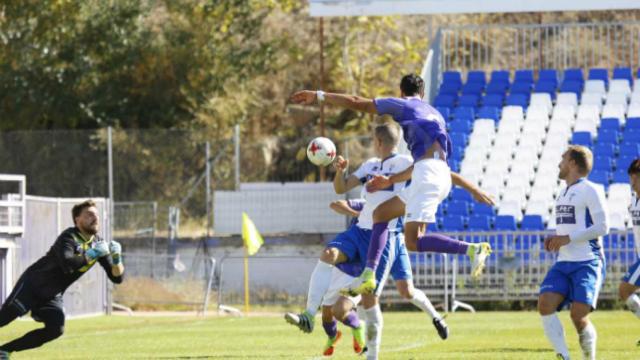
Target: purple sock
379,235
331,328
441,244
352,320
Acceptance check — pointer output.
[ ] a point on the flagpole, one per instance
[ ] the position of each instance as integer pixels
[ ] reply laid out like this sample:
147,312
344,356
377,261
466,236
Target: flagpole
246,281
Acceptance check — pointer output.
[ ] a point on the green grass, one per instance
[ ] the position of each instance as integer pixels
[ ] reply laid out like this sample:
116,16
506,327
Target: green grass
407,335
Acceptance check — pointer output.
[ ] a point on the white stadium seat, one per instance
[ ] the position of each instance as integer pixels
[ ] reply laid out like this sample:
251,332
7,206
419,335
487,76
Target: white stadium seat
538,208
567,98
592,99
586,125
541,99
595,86
617,99
510,208
614,111
512,112
635,98
619,86
634,110
587,111
538,113
563,112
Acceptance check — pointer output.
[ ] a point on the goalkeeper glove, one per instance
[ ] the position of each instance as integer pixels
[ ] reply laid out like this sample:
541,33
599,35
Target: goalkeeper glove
98,250
116,251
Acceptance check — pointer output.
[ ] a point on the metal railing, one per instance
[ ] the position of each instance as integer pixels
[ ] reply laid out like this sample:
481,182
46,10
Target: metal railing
533,46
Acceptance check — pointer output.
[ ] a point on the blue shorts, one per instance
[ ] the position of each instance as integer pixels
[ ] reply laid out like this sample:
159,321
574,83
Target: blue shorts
577,281
354,244
633,275
401,267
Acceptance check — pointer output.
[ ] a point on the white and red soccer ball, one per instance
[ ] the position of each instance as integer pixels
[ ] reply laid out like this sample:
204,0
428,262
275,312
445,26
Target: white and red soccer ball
321,151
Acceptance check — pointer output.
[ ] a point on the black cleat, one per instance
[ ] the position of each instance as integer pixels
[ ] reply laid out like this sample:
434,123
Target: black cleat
442,328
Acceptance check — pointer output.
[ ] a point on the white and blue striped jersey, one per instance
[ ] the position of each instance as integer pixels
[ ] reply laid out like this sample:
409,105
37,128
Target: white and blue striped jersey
581,213
634,209
392,165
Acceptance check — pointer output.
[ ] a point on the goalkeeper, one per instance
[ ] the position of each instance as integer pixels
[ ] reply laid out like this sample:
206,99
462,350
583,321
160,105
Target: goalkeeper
41,286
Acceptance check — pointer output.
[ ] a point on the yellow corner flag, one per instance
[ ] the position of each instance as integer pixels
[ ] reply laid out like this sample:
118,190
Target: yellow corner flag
250,235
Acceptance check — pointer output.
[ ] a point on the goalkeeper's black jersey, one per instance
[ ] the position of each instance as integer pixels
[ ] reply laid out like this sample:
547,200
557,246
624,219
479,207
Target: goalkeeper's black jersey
64,263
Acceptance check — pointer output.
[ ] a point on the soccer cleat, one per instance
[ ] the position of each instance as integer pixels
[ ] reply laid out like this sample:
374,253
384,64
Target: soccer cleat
441,327
364,284
478,258
561,357
303,321
359,340
331,343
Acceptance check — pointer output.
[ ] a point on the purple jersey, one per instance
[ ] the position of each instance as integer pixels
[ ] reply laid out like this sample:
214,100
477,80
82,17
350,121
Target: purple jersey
422,124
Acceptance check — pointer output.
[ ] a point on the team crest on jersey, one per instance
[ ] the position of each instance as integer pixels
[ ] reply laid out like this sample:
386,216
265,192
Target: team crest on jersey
565,214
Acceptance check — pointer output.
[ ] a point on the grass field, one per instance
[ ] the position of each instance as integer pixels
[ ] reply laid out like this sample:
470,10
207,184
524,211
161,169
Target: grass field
407,335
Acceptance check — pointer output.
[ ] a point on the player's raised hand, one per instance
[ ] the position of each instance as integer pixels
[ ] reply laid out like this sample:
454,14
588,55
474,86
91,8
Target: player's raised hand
554,243
305,97
341,164
378,182
483,197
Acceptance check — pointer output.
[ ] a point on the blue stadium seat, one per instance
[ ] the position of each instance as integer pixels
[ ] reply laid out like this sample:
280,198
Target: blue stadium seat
457,153
632,123
499,88
496,100
610,124
572,86
469,100
459,139
464,113
505,223
452,77
444,111
445,100
638,73
489,112
581,138
500,76
623,162
455,165
631,135
574,74
476,76
480,223
604,149
453,223
457,207
550,75
518,100
621,176
532,223
441,209
623,73
472,89
460,126
603,163
521,88
547,87
524,76
460,194
600,177
599,74
608,136
449,89
432,227
629,149
483,209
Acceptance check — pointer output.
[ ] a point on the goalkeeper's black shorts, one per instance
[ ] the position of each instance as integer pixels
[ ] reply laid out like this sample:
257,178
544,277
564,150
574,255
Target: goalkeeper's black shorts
23,299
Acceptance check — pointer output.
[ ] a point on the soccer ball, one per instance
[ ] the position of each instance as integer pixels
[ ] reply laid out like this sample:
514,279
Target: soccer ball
321,151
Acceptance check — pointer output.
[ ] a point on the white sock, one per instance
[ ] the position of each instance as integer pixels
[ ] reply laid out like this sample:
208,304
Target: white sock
588,338
421,300
374,331
633,302
555,333
318,286
362,314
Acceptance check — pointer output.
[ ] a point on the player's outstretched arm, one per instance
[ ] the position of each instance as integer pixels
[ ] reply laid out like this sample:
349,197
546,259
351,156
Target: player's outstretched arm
342,207
380,182
477,193
353,102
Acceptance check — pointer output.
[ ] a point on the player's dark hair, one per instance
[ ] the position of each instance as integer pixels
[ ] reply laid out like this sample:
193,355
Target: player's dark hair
411,85
582,156
78,208
387,133
634,167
